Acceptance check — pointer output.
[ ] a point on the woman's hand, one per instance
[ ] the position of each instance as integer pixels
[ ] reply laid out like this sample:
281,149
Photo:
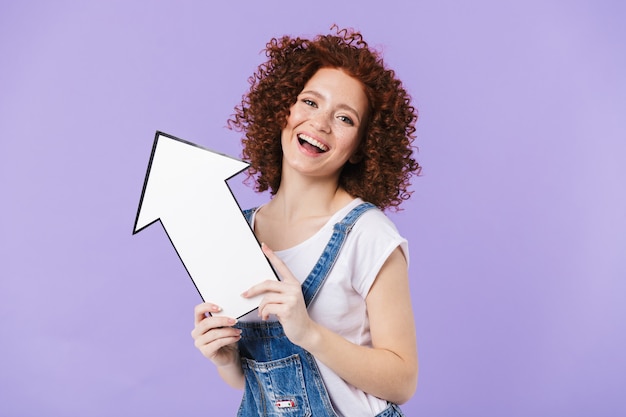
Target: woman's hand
214,336
284,299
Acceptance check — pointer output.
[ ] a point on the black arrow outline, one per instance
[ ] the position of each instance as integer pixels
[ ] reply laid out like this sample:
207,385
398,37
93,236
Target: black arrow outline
143,191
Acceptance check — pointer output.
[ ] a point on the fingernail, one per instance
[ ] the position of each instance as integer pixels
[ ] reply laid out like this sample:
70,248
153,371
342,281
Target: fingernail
232,321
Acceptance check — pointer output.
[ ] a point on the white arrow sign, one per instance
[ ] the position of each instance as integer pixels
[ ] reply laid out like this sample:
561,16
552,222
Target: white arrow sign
185,188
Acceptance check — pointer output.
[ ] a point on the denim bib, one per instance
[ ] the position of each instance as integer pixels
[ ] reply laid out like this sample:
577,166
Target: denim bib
282,379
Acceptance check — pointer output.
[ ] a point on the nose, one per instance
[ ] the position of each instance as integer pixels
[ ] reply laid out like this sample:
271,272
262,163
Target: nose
321,121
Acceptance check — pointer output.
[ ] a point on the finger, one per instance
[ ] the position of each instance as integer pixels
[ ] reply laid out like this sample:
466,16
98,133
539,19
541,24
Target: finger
217,335
277,263
265,309
279,310
201,311
267,301
212,348
263,287
217,344
210,323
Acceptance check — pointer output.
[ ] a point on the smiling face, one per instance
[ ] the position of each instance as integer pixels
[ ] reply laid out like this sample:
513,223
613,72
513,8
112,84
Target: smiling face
325,125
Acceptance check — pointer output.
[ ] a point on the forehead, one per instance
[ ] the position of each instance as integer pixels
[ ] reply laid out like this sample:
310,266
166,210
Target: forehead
336,85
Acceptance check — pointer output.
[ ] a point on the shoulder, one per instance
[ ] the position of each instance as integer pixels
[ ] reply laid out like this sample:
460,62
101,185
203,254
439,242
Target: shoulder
369,223
371,241
374,224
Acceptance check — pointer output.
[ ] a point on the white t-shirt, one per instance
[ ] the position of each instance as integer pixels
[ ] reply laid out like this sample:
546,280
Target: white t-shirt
340,303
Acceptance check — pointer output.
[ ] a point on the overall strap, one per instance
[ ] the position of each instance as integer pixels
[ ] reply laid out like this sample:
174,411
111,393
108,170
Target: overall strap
248,214
317,276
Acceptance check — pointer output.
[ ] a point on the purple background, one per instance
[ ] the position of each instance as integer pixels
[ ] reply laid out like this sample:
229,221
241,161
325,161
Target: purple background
517,226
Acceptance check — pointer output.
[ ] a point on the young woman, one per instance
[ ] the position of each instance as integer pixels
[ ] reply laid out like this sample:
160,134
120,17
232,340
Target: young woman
328,131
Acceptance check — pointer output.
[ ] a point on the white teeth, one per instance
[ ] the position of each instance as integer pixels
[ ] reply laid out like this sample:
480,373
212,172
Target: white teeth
313,142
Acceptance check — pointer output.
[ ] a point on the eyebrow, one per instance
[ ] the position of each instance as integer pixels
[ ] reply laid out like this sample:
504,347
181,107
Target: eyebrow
342,106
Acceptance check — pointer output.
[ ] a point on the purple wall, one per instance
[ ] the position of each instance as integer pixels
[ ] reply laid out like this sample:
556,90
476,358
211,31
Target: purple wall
517,226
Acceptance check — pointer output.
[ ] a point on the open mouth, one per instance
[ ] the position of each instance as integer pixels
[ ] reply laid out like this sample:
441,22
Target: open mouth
311,144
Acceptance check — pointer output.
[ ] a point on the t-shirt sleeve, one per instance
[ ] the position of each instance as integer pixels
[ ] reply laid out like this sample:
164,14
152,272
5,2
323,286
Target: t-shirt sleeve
373,238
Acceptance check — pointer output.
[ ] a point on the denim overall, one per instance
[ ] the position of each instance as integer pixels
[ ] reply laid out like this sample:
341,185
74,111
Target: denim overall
282,379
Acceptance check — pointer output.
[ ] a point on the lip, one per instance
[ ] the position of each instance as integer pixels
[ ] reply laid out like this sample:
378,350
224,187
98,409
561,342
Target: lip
319,141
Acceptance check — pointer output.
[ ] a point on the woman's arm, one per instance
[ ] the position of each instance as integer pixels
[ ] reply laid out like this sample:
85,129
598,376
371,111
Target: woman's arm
387,370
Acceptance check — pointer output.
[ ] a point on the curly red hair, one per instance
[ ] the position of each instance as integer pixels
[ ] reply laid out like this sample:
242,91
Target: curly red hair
386,164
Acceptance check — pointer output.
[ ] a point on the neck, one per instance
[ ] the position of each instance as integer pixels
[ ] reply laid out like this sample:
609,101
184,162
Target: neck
301,196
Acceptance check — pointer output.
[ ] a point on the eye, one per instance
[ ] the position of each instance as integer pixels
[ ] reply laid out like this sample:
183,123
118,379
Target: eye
346,119
309,102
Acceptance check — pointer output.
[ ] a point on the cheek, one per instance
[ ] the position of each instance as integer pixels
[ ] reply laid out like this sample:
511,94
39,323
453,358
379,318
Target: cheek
290,123
352,140
295,117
